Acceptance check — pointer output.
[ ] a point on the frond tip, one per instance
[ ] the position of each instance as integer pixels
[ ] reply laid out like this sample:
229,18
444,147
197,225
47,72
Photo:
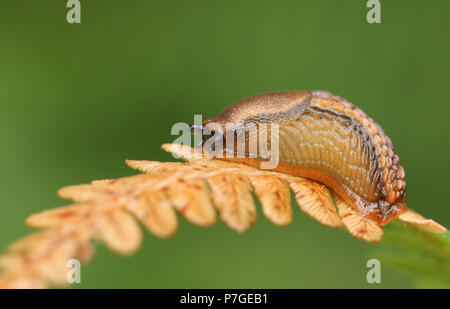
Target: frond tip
108,211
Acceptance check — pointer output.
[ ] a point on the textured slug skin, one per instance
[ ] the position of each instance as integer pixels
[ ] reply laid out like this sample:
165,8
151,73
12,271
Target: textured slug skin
327,139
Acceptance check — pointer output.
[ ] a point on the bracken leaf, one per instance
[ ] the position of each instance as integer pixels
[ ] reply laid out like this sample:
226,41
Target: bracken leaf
315,200
275,198
155,212
119,232
108,211
356,224
232,197
414,218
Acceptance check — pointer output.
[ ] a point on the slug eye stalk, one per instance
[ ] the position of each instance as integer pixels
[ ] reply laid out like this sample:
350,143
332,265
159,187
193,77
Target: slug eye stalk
206,135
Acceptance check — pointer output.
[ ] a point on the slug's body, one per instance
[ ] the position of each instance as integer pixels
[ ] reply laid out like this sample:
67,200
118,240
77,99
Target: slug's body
325,138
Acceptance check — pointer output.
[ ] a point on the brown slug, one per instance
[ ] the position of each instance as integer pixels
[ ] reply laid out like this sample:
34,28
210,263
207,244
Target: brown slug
327,139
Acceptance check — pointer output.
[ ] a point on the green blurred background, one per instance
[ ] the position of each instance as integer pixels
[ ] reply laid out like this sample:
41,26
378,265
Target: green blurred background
78,99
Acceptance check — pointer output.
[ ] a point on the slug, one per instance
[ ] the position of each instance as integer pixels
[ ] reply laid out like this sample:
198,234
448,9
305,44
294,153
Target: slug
324,138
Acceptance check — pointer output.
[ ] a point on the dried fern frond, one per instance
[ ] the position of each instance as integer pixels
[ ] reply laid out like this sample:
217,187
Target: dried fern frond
109,211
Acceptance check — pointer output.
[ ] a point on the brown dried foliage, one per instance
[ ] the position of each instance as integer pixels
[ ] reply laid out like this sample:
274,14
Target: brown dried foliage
109,211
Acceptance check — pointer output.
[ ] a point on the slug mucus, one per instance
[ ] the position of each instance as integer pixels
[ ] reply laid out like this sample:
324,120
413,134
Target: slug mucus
324,138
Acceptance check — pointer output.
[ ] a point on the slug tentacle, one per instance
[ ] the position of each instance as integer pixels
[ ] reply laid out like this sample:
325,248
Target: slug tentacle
327,139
